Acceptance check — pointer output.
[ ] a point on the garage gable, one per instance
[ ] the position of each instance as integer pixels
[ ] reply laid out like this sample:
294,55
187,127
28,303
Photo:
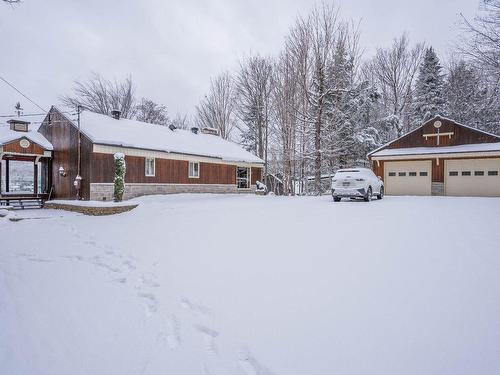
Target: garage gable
440,132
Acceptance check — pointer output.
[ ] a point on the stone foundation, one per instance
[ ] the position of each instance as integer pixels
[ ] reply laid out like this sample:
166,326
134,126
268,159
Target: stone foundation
437,188
90,210
99,192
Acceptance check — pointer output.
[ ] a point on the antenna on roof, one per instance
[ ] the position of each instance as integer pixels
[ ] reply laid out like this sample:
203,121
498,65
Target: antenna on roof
115,113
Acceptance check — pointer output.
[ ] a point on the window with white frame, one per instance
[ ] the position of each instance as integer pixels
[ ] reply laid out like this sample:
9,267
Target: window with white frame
150,167
243,177
194,169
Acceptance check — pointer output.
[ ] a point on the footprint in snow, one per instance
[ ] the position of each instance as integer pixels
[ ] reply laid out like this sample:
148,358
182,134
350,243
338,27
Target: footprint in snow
33,258
147,280
250,365
40,260
209,335
196,308
99,263
151,302
173,337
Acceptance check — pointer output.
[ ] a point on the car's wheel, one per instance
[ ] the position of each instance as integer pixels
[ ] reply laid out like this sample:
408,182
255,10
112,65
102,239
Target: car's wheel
368,196
336,199
381,194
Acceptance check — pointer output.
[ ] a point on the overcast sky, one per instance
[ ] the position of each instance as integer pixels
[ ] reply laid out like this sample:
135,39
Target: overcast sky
172,48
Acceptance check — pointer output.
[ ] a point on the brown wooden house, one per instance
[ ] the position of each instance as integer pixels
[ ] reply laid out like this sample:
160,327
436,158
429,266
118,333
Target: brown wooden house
441,157
159,159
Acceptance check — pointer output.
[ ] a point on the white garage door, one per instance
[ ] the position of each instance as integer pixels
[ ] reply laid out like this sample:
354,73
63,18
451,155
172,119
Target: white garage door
408,177
472,177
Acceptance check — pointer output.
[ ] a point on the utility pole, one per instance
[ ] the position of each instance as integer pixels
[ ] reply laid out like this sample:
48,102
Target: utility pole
78,180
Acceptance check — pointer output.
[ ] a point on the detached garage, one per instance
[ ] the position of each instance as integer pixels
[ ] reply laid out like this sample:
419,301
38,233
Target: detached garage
441,157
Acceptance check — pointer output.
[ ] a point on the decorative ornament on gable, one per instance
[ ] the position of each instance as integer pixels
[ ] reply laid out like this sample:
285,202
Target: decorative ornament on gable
437,125
24,143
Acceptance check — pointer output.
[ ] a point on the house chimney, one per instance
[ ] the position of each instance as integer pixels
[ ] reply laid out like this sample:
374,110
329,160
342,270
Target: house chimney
207,130
194,130
18,125
115,113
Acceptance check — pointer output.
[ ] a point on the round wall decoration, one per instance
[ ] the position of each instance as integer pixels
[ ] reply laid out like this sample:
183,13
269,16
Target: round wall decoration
24,143
437,124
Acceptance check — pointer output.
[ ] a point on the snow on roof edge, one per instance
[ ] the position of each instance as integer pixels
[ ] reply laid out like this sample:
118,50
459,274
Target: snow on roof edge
458,149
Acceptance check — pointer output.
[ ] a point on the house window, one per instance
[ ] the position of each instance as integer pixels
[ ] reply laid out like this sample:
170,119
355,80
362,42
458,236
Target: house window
478,173
194,169
243,177
150,167
453,173
392,174
423,174
402,174
492,173
412,174
466,173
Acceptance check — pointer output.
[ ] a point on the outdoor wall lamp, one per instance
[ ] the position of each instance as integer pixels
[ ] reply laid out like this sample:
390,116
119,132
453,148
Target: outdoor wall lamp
62,172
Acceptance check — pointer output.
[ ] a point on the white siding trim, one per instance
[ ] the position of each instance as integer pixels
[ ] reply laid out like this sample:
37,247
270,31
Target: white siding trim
437,155
106,149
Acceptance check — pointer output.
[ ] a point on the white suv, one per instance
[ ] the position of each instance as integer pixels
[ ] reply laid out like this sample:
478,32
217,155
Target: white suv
356,183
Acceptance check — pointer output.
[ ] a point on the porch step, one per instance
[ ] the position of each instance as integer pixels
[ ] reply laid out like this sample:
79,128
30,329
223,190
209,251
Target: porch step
22,203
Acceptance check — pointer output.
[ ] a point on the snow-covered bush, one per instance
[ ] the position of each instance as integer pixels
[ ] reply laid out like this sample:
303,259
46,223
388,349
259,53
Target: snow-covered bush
120,169
261,186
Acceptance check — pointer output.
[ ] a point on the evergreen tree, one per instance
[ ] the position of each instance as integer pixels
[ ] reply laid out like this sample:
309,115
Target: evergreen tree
463,93
471,99
429,90
120,168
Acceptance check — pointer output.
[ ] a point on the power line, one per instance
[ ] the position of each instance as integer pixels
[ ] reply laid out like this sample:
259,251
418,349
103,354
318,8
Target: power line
35,114
15,88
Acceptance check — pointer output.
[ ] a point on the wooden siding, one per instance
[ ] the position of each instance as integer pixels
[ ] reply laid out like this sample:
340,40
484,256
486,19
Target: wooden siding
166,171
15,147
256,175
64,137
461,136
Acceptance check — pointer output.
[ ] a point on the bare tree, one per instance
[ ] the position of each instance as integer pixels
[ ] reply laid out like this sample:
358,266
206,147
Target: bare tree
254,85
312,42
393,71
181,121
285,100
217,109
151,112
482,40
102,96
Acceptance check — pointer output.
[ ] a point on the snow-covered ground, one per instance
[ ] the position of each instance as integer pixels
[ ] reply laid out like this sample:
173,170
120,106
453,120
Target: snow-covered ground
211,284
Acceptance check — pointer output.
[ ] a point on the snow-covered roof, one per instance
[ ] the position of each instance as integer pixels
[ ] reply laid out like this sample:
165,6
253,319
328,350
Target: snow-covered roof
102,129
7,135
475,147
